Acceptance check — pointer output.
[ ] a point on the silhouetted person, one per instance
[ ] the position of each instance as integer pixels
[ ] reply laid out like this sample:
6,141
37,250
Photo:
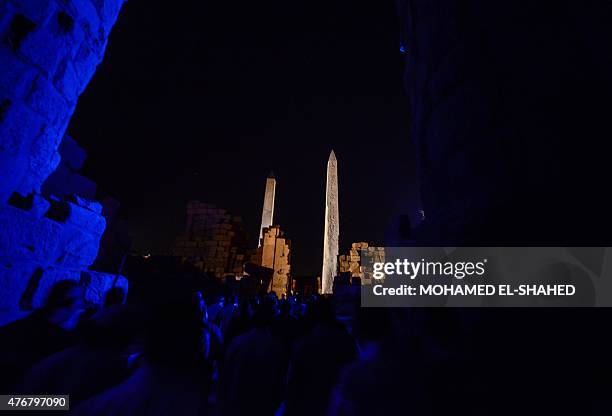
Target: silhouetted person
109,342
214,309
42,333
253,374
240,323
175,373
316,363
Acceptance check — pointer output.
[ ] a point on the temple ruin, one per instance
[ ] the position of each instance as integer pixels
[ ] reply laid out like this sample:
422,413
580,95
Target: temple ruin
214,241
354,263
49,51
274,253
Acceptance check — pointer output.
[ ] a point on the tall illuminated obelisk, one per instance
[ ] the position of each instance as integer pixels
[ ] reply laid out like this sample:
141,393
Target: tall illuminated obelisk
267,215
332,227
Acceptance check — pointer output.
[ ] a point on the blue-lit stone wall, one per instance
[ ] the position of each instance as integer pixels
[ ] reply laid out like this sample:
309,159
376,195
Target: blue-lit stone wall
49,51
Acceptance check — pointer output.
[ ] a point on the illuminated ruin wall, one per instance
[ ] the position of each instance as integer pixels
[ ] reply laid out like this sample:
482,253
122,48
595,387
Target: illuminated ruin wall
214,241
275,253
49,51
353,263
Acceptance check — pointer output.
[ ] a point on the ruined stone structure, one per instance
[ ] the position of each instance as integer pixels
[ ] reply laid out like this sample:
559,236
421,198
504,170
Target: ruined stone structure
359,255
267,214
49,51
275,253
332,227
66,182
214,240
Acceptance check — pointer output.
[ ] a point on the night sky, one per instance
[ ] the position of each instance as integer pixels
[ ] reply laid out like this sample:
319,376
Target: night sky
200,101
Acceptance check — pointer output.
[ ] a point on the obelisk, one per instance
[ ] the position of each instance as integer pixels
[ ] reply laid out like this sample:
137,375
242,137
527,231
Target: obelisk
332,227
267,215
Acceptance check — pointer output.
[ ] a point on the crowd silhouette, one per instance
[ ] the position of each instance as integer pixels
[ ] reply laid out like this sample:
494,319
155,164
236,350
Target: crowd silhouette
188,353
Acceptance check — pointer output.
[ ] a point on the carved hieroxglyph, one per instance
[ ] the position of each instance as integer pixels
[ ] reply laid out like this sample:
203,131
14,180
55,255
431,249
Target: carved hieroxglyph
332,227
267,215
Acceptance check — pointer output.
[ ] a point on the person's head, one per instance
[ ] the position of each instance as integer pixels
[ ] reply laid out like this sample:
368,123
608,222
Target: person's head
176,334
201,305
246,309
321,310
65,304
285,308
265,312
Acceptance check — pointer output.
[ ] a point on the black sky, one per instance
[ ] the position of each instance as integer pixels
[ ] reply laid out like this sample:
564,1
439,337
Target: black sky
201,100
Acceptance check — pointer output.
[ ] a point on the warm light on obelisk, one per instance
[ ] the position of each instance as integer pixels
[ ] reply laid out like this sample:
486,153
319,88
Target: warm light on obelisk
267,215
332,227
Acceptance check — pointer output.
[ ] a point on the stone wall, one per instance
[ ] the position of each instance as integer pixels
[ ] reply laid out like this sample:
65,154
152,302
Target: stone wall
275,253
360,253
49,51
66,180
214,240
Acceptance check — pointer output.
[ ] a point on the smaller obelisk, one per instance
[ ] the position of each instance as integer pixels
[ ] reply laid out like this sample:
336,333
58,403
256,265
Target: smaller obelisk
332,227
267,215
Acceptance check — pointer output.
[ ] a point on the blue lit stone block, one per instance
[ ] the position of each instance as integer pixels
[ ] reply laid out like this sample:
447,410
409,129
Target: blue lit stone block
98,284
44,50
46,100
17,130
49,50
108,10
37,10
24,238
67,81
14,281
88,18
48,278
85,62
17,77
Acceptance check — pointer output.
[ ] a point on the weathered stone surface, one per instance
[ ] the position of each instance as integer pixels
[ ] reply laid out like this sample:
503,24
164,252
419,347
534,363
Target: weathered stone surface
26,238
98,284
25,287
19,126
267,214
49,49
213,240
13,282
332,227
274,253
48,278
361,254
44,73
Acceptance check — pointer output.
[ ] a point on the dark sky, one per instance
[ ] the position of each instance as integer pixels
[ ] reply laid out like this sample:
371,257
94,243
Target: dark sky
201,100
